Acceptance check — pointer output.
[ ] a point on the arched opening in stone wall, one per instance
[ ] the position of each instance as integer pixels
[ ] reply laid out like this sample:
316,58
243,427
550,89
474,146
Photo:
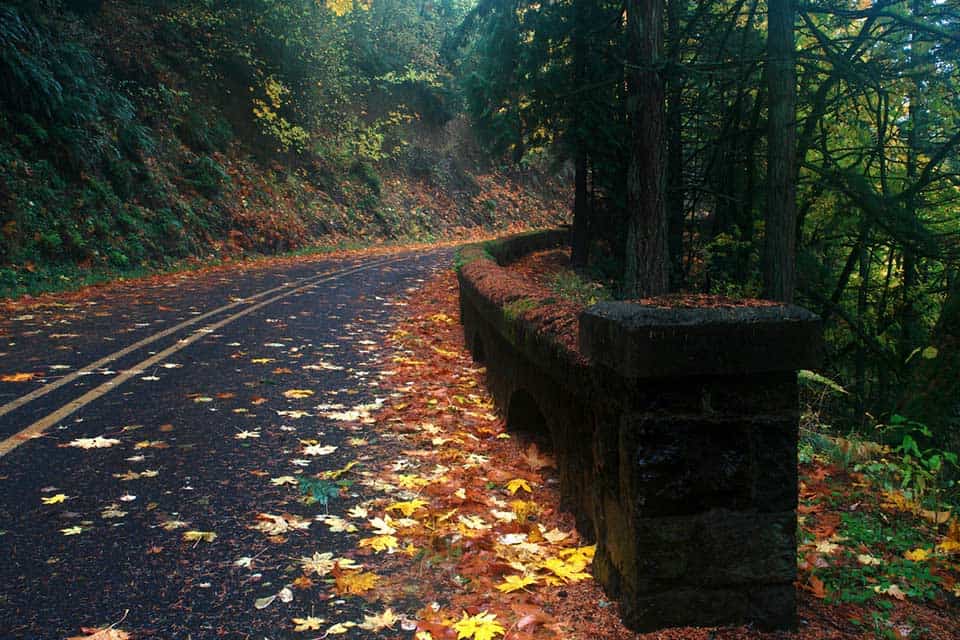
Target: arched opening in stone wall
524,415
478,352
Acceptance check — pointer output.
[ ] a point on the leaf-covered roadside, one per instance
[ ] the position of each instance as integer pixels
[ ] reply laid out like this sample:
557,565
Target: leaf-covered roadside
872,563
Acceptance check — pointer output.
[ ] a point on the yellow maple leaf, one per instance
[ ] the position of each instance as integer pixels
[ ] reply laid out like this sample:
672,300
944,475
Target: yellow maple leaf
307,624
516,583
917,555
198,536
949,546
407,508
380,543
379,621
355,582
525,510
579,554
57,499
483,626
413,482
518,483
72,531
567,571
297,394
261,360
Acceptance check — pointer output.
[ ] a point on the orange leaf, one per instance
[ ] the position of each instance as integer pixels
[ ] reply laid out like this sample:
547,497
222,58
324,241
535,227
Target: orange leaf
101,634
817,588
18,377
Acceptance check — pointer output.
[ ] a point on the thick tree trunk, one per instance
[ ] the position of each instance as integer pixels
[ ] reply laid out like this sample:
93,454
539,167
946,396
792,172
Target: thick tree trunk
934,396
780,244
580,242
647,254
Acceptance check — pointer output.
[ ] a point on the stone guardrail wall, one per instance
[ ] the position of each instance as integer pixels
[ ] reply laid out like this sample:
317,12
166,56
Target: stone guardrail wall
675,433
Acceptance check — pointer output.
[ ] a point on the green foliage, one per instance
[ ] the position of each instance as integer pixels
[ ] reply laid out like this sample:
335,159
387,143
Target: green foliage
367,175
206,175
924,472
570,285
205,133
816,381
319,491
516,308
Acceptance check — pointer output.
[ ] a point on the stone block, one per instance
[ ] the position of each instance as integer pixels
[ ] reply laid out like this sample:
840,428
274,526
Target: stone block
642,341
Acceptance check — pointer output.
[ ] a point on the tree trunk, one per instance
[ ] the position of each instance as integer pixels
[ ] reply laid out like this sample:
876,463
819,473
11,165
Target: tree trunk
675,186
934,397
580,240
780,243
647,253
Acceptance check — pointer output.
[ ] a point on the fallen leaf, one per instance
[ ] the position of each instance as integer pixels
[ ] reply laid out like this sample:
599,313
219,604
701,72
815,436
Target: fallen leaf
355,582
379,621
93,443
198,536
307,624
516,583
18,377
407,508
483,626
274,525
57,499
297,394
319,563
108,633
318,450
917,555
817,588
893,590
519,483
340,628
303,582
380,543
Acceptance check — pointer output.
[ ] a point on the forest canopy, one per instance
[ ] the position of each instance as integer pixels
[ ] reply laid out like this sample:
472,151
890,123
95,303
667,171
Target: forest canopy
877,164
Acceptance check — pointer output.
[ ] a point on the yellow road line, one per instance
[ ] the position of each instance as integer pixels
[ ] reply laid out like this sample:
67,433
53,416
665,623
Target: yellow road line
37,428
67,379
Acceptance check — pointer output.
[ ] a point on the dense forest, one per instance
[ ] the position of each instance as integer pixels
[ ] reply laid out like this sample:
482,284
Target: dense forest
806,152
299,219
678,115
137,134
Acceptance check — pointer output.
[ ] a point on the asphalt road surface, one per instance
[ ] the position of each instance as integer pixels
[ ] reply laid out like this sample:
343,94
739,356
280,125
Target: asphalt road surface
192,383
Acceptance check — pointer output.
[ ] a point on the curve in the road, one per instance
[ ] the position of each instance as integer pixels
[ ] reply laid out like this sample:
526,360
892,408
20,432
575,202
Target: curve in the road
38,427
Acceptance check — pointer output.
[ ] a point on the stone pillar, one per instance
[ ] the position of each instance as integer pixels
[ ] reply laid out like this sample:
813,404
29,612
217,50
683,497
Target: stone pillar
696,517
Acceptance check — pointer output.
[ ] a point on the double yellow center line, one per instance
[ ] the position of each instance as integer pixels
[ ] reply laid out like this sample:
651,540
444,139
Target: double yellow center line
37,428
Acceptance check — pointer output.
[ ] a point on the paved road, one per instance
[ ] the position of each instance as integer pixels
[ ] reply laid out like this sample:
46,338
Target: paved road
181,371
